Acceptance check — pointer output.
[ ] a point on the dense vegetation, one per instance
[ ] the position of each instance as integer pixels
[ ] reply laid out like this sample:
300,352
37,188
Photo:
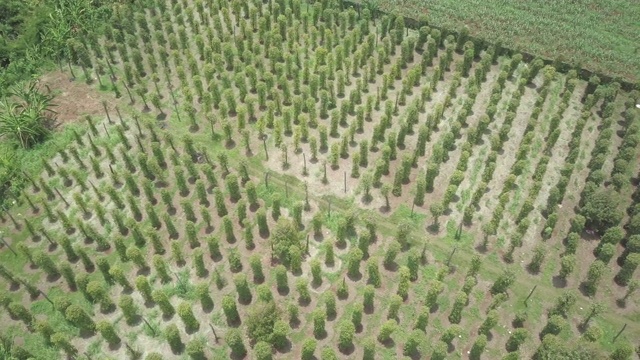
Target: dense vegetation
602,36
33,34
306,181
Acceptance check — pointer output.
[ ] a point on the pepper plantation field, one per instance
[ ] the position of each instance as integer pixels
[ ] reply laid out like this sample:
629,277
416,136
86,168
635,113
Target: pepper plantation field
316,181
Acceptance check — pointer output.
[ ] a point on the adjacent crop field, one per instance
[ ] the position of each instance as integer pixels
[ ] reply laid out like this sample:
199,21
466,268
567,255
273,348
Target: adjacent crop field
301,181
600,35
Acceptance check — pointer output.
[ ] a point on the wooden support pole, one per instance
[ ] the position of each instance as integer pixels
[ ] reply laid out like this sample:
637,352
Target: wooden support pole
61,197
7,245
106,110
16,225
345,182
451,255
214,333
131,99
530,293
33,183
149,325
126,127
135,118
266,152
46,235
619,333
324,177
307,206
304,166
46,297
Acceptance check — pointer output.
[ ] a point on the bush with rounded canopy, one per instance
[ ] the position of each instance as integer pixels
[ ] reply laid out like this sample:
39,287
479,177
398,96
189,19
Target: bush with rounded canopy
260,321
601,210
283,237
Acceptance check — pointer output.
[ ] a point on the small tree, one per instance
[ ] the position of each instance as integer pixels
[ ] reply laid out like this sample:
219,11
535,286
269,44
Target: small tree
282,282
295,259
316,272
98,293
537,259
458,306
394,306
302,287
328,354
230,309
128,307
346,331
233,338
517,338
242,288
308,349
161,298
188,318
601,210
387,329
567,265
318,317
78,317
563,304
629,266
489,322
478,346
503,282
373,273
354,258
279,334
62,341
329,256
256,267
596,270
412,344
555,325
108,331
284,236
195,349
330,304
172,334
263,350
19,311
390,254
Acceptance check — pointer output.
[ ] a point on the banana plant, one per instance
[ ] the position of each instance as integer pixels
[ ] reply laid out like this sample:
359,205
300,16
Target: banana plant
26,115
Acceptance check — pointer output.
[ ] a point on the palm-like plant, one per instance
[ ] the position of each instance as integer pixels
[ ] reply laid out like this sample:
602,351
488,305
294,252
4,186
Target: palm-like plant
26,115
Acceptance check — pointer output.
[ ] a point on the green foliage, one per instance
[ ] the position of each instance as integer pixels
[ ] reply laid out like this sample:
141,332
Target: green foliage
503,282
319,318
554,326
386,330
230,309
195,349
308,348
517,338
161,298
285,235
235,342
172,334
107,330
263,350
188,318
79,317
282,282
601,210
